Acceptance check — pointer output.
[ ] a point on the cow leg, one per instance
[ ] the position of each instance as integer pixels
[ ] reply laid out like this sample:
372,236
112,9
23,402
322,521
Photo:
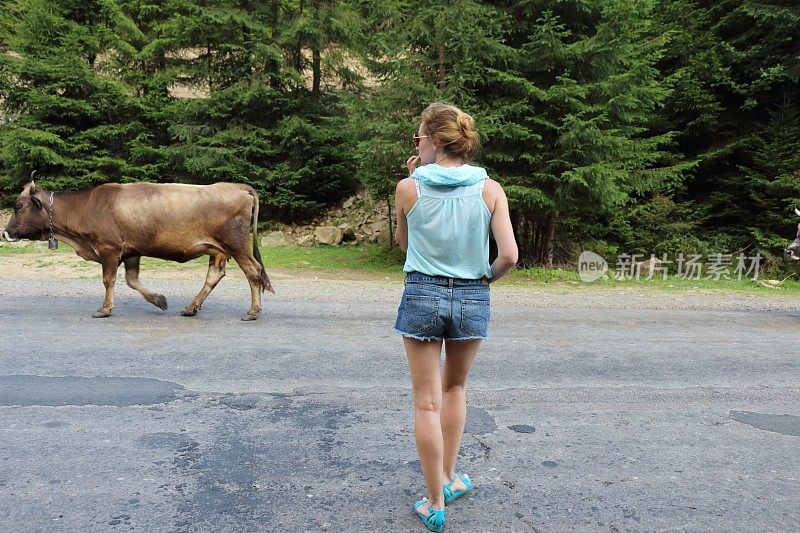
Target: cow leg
132,279
252,270
110,267
216,271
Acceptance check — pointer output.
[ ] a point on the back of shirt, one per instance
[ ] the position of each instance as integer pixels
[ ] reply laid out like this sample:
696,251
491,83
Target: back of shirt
448,232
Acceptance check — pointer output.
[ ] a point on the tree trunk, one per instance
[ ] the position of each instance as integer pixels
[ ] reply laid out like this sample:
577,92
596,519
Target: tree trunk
548,245
276,5
317,70
535,235
298,52
391,228
271,68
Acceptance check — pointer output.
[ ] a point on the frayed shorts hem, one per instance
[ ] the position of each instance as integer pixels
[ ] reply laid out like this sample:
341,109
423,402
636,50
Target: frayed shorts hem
434,338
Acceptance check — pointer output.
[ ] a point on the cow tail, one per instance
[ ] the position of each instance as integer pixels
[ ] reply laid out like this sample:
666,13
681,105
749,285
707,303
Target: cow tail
263,278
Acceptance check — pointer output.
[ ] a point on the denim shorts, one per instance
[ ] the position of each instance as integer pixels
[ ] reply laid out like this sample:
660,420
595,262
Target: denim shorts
436,307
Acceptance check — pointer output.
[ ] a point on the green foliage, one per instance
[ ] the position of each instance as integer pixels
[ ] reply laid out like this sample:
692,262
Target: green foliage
567,131
420,52
289,146
64,117
659,225
771,183
735,69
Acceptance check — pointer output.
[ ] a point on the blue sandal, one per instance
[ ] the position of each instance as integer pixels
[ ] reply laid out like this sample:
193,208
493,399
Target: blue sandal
451,495
434,520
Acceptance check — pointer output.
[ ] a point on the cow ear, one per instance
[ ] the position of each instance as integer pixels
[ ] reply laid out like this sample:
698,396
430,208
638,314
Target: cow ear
36,202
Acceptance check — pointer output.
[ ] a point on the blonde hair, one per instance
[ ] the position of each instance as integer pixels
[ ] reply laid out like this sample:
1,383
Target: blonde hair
451,129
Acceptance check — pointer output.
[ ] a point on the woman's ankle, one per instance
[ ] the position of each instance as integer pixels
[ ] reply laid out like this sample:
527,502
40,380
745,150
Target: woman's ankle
455,482
438,506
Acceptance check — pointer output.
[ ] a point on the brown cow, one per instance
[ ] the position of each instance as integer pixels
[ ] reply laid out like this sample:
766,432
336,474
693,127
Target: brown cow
112,224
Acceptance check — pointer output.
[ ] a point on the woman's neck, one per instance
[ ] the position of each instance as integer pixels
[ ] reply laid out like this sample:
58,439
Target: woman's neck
449,162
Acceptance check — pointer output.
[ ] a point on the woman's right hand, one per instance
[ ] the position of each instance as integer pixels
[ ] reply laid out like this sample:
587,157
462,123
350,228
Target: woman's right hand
411,164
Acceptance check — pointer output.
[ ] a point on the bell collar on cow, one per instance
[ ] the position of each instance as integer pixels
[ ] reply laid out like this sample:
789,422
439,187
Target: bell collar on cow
52,243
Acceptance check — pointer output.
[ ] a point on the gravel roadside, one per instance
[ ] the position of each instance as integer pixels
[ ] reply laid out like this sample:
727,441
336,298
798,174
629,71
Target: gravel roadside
40,272
353,287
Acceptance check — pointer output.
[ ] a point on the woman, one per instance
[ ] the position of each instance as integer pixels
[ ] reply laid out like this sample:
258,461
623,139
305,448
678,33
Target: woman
445,209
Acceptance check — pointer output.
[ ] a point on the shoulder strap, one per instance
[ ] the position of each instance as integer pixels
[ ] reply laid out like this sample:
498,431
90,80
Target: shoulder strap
416,184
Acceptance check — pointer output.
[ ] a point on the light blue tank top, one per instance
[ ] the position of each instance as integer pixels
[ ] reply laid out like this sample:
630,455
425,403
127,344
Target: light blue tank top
448,232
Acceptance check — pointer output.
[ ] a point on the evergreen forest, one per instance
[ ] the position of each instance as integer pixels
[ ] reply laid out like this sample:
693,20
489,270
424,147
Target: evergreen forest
619,126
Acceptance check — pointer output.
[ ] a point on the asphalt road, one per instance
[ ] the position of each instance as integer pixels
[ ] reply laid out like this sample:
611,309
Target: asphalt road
588,411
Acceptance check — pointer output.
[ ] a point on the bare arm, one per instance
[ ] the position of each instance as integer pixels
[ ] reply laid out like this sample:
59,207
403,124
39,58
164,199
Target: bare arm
503,231
404,197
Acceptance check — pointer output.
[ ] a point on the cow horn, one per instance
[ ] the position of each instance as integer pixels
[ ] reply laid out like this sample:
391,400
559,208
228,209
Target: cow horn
797,211
32,186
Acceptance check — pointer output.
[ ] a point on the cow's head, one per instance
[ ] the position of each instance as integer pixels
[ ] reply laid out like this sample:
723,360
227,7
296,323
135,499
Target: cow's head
793,250
30,219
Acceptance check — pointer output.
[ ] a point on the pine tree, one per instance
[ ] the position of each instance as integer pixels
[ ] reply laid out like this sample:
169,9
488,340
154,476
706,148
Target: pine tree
68,115
569,131
417,53
259,123
748,189
319,36
771,183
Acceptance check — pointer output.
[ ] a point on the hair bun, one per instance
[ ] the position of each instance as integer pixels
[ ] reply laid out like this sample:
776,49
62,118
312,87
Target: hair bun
466,123
453,129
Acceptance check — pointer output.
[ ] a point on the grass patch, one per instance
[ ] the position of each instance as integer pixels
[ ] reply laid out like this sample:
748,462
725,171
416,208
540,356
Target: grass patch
368,257
726,285
545,275
151,262
560,276
32,247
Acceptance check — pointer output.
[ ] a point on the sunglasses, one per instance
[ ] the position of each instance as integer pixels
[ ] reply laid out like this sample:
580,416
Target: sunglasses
416,139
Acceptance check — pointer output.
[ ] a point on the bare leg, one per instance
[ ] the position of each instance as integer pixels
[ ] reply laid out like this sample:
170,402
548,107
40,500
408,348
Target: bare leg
423,361
110,267
216,271
132,279
252,270
459,356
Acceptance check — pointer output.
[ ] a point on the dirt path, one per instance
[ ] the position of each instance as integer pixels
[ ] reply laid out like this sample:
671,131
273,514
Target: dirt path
44,273
40,261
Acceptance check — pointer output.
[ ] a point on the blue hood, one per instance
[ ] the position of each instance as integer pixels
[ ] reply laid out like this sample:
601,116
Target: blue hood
438,175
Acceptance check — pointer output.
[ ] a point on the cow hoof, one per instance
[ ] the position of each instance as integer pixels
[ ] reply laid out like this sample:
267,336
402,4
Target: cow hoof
186,312
101,314
160,302
248,317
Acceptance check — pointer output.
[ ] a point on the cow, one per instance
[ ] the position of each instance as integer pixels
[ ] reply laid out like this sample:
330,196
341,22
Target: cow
793,250
119,223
